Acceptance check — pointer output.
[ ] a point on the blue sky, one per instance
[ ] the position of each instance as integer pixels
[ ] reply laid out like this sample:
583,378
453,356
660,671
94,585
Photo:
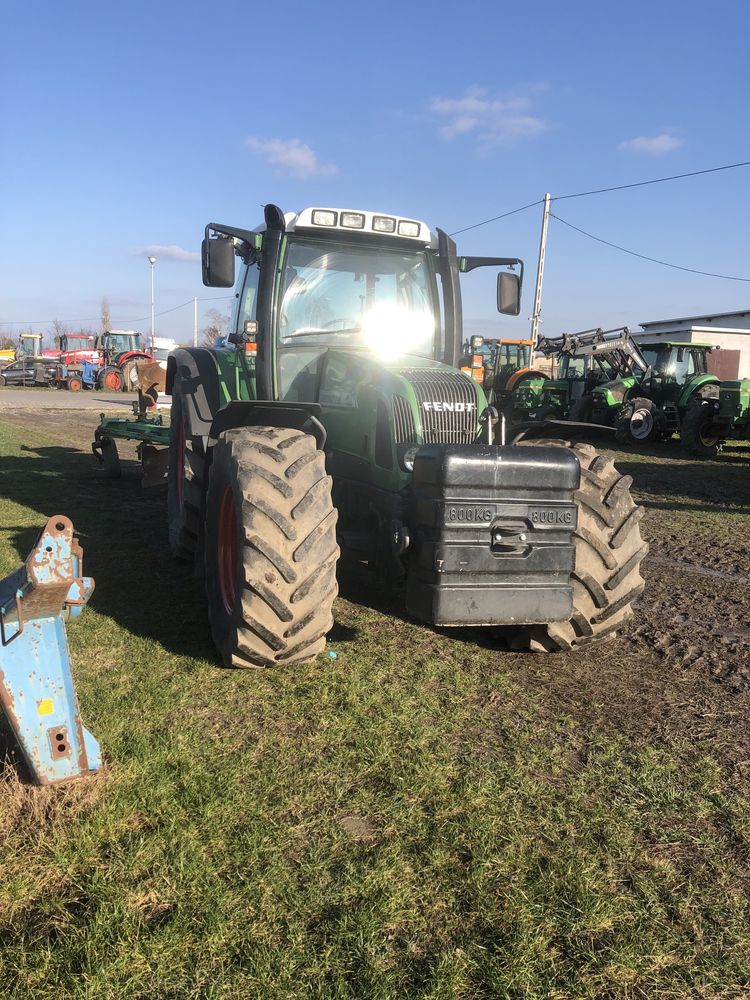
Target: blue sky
129,126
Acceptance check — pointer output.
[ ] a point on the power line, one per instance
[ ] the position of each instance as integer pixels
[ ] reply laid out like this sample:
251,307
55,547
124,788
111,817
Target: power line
95,319
657,180
654,260
495,218
618,187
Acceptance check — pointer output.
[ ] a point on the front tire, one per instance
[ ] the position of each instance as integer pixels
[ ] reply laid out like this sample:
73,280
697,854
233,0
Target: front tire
581,410
111,379
638,422
271,547
609,550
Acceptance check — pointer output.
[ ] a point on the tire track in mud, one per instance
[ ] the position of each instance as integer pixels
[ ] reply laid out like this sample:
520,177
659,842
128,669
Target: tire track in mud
696,617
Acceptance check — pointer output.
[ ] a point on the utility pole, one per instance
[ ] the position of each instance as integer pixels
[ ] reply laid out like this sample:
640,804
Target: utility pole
152,261
536,315
195,321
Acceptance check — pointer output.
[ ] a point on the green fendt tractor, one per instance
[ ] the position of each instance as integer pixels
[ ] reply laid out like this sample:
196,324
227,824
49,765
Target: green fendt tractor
337,417
708,423
677,379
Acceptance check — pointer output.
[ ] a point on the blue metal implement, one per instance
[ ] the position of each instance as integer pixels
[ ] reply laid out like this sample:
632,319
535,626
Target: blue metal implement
37,693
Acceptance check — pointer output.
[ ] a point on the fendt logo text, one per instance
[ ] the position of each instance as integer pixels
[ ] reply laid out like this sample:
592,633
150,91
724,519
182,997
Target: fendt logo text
439,406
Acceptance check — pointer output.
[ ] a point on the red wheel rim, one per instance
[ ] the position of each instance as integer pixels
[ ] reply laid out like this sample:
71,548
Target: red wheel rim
112,380
227,551
180,477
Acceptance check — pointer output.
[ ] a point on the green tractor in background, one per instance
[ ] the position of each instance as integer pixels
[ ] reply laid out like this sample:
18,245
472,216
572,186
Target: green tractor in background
709,422
677,380
596,369
504,367
338,418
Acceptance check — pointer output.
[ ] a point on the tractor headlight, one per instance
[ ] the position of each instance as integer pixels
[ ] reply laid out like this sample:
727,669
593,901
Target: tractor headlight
408,228
320,217
406,455
383,224
353,220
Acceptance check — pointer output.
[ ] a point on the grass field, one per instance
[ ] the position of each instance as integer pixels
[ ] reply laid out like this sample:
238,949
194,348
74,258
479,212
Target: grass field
422,815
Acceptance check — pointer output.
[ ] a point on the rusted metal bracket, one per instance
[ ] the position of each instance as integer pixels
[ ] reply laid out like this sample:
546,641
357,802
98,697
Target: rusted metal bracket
37,693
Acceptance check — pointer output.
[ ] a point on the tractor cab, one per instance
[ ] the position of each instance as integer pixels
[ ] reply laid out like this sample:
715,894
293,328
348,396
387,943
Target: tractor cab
29,346
116,342
674,366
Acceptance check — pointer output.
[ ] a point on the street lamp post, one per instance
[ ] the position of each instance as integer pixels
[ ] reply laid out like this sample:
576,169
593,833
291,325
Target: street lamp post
152,261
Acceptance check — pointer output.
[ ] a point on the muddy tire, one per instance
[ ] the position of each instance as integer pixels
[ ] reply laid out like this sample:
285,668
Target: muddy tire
185,482
699,434
270,547
110,378
581,410
637,422
608,554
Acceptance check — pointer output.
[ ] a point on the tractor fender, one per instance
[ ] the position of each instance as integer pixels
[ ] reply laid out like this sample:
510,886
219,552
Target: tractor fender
200,388
521,376
130,355
266,413
694,386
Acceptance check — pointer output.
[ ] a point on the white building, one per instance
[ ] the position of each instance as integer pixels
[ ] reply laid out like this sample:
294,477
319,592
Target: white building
728,331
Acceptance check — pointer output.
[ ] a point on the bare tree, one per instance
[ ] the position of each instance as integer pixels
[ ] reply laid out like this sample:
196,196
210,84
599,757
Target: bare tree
106,319
215,328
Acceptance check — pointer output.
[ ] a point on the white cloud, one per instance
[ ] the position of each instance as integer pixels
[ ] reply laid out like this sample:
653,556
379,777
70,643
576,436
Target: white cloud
492,120
169,252
654,145
291,156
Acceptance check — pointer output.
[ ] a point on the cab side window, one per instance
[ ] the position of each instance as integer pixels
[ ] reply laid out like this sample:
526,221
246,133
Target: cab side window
248,297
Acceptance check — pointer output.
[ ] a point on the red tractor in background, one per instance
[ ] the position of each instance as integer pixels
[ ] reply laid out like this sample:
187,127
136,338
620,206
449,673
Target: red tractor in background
121,351
114,354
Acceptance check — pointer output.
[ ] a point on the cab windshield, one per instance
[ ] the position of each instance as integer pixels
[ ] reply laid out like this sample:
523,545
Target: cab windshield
351,296
79,343
120,342
516,355
675,363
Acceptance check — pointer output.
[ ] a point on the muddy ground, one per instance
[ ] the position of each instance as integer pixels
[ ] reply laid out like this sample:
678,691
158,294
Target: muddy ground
684,666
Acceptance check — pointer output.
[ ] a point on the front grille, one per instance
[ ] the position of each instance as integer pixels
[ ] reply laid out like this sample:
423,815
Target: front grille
450,416
403,421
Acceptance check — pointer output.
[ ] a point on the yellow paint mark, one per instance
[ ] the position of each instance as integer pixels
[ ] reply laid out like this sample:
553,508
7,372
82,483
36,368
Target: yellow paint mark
46,707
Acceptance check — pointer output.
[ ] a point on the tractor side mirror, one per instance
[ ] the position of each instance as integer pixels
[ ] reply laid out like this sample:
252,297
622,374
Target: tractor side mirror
508,293
217,259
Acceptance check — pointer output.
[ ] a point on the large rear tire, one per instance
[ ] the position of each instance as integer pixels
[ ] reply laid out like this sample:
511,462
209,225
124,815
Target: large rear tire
271,547
608,554
185,481
699,433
